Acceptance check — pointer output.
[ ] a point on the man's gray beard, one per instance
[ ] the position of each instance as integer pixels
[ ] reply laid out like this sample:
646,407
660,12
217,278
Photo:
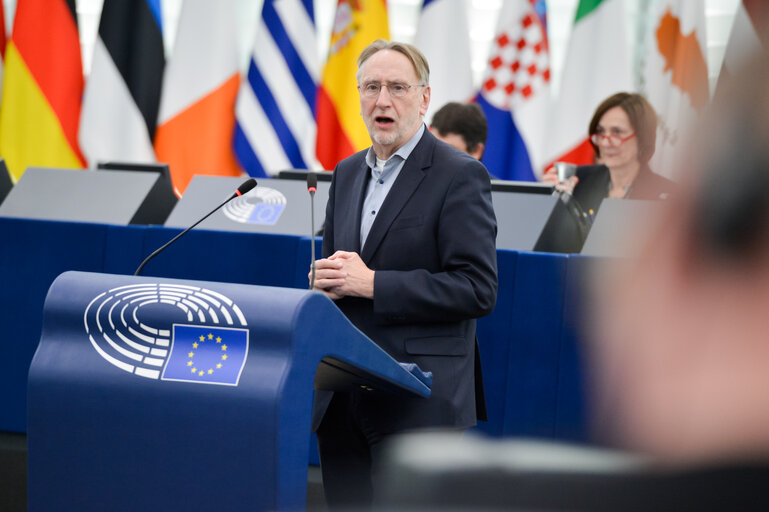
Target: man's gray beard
385,140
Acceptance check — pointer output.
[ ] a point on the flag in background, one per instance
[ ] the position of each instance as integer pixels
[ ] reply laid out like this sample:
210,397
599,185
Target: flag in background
444,38
275,109
196,121
341,131
597,65
43,85
675,77
120,104
515,92
750,32
2,44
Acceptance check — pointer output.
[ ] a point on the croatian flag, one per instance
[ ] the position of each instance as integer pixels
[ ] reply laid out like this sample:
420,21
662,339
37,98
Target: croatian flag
275,110
515,92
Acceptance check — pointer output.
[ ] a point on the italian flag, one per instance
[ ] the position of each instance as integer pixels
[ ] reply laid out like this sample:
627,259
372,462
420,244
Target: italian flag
597,66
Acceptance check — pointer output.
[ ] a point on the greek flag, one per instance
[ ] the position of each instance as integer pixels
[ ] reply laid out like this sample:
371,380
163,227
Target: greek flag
275,110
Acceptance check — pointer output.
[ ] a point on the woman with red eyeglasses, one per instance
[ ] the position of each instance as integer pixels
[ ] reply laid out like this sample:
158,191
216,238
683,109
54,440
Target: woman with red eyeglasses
623,132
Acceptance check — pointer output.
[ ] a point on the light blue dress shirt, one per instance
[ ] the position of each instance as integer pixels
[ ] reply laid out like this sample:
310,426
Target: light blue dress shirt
381,181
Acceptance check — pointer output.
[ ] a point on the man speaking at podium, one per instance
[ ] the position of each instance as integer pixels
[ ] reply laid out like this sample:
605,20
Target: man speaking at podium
410,258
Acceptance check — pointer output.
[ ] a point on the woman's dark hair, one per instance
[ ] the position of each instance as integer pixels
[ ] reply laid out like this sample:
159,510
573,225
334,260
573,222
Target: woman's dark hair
642,117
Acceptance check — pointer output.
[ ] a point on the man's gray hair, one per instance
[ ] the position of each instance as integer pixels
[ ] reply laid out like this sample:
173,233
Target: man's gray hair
417,59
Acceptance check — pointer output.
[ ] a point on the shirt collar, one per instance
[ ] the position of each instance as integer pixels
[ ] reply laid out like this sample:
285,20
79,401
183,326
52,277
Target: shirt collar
403,152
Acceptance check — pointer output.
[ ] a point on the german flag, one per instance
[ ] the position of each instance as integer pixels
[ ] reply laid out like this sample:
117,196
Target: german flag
341,131
42,88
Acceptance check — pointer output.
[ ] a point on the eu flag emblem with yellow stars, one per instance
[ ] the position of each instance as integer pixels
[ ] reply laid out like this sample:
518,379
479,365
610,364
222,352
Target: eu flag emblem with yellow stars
266,213
208,355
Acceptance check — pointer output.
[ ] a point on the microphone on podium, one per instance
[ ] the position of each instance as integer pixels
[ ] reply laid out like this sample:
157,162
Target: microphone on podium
242,189
312,187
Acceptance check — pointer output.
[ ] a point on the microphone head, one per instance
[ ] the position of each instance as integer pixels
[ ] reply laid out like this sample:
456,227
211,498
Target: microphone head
312,182
246,186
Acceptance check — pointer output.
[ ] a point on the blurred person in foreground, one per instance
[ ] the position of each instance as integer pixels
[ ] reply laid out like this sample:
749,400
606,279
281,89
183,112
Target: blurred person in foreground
623,133
462,125
680,357
409,256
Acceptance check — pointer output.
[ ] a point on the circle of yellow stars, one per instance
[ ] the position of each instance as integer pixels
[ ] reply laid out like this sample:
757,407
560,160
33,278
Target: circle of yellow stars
203,339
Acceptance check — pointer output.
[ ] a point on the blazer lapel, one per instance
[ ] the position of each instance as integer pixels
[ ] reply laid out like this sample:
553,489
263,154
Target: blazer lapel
404,187
350,217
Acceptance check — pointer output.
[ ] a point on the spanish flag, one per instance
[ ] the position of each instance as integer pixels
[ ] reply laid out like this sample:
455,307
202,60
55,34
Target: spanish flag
341,131
42,88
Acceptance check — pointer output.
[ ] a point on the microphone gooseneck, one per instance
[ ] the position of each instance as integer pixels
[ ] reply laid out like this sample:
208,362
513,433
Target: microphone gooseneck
242,189
312,186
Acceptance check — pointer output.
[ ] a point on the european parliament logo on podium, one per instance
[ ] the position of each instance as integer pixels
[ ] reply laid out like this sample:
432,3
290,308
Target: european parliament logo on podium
169,332
262,205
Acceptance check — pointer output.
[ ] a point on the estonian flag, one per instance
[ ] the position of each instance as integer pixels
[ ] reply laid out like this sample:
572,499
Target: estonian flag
120,104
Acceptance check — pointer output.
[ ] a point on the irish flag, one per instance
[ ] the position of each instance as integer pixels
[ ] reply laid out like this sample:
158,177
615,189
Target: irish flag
597,65
196,122
42,87
341,131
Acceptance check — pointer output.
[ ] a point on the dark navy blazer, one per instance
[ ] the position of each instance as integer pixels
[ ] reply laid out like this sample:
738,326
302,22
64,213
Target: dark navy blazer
433,247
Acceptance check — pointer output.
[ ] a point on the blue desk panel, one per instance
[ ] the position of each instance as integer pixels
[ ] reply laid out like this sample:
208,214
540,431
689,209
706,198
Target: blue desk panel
537,297
525,344
495,342
571,407
32,254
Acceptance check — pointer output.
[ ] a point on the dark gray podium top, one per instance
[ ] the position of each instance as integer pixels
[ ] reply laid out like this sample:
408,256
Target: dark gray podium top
617,226
78,195
521,218
274,206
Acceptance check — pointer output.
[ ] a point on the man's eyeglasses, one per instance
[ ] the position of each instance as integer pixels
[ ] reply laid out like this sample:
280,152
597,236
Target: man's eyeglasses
396,89
614,139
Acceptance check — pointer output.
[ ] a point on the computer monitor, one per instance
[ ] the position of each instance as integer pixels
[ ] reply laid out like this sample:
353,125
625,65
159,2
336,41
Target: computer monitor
301,174
523,187
275,206
6,184
160,200
81,195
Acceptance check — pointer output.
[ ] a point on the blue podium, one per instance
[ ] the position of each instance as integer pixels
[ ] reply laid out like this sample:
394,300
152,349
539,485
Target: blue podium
160,394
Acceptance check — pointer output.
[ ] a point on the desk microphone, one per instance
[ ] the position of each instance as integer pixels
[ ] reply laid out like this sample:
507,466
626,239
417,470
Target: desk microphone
312,186
242,189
